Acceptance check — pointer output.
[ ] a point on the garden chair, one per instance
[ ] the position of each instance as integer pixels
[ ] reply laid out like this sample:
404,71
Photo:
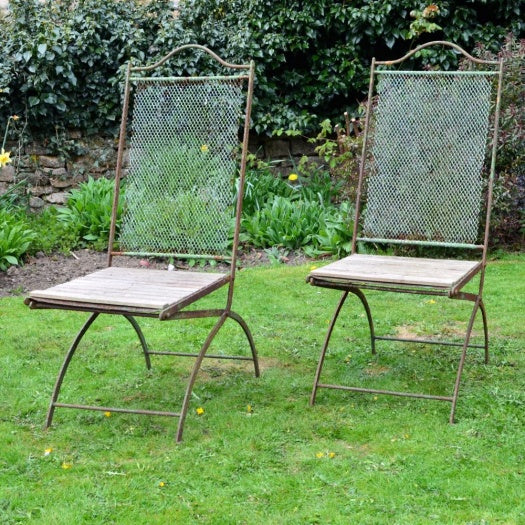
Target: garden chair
184,155
421,186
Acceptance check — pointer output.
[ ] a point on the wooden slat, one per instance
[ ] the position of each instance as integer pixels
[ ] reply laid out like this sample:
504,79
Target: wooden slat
439,273
133,287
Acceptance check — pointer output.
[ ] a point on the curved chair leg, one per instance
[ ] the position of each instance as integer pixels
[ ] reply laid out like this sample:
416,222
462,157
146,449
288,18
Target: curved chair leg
142,339
362,297
244,326
193,375
485,329
462,359
325,346
65,365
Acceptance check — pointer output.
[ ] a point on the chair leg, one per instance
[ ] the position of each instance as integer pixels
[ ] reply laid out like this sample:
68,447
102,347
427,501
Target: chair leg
194,372
485,329
362,297
325,346
462,359
244,326
142,339
65,365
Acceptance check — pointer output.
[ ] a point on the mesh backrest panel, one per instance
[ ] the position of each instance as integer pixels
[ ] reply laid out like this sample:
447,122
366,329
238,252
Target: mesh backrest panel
184,155
427,141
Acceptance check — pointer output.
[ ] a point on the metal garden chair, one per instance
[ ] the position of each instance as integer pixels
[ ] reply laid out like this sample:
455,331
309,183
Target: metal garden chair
184,156
420,184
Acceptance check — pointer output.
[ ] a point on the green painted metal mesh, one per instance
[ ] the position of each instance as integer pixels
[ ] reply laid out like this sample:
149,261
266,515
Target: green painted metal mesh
427,139
184,154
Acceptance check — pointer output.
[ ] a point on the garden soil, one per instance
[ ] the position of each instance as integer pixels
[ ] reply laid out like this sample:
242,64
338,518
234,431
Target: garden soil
42,271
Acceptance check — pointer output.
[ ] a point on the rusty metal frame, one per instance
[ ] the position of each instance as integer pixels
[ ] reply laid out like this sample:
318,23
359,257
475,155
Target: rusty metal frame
168,314
356,287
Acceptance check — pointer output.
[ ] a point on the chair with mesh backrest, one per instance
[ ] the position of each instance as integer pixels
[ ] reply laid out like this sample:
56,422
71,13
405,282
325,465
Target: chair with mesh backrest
421,185
185,158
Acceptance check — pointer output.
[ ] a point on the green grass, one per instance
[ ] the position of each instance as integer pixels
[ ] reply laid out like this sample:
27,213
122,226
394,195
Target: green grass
395,460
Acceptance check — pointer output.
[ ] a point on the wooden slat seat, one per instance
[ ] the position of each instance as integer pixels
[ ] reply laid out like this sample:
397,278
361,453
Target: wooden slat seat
399,271
151,292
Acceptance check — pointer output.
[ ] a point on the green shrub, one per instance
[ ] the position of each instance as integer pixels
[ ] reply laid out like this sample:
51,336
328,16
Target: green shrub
87,214
508,210
312,58
15,238
61,59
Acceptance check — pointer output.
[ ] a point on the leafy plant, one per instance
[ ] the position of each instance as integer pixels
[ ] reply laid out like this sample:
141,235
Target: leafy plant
341,152
508,216
62,58
52,234
310,66
87,214
312,226
15,239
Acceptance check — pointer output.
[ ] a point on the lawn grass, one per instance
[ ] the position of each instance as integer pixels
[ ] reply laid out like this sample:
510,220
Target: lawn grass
352,458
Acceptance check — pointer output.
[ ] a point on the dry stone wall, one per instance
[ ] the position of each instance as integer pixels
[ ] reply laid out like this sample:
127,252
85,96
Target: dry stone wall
48,176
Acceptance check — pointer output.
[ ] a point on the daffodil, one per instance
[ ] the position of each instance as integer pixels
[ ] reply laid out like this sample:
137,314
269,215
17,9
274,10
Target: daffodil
4,157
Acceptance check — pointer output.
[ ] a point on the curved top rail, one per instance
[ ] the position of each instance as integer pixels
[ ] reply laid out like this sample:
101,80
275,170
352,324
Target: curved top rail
434,43
187,46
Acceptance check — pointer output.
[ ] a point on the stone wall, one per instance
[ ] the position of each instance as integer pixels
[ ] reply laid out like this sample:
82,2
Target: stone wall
285,153
48,176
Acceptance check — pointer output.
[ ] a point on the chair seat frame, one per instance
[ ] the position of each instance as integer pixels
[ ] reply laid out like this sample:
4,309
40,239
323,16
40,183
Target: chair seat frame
356,286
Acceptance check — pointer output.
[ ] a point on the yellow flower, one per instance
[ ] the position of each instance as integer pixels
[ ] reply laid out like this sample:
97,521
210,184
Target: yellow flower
331,455
249,409
162,484
293,177
107,414
48,451
66,466
4,158
314,267
15,117
200,411
204,148
431,301
319,455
